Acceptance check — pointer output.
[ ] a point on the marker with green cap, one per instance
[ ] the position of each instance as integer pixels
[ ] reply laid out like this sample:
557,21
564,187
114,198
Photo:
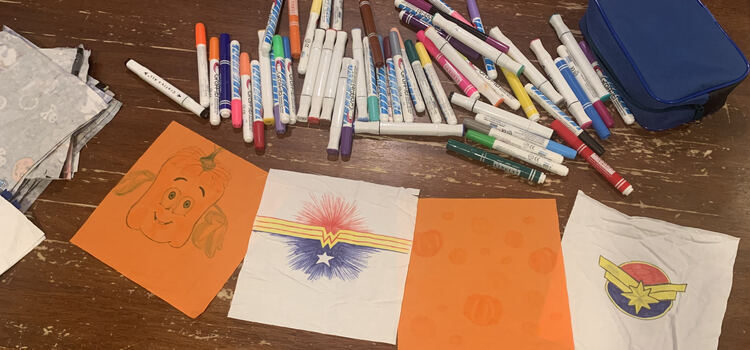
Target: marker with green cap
539,150
424,85
496,161
281,83
513,151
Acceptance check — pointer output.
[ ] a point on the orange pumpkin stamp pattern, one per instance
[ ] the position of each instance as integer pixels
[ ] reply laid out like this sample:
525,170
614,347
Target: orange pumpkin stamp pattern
179,221
490,276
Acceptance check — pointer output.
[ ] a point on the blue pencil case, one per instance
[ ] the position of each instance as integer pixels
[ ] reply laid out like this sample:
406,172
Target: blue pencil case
670,59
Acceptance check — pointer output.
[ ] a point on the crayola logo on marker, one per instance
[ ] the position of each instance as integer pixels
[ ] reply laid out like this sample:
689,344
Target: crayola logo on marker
639,289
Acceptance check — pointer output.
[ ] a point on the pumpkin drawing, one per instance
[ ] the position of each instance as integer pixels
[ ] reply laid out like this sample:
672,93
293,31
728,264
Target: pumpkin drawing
180,203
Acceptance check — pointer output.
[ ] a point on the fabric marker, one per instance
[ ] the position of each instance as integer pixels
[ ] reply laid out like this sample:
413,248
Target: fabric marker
471,124
411,79
476,19
515,84
504,126
417,23
424,86
365,10
247,97
574,106
265,79
373,110
566,37
514,119
234,54
215,83
294,43
338,14
289,79
325,14
329,95
395,89
200,49
602,167
496,161
432,77
259,127
407,108
587,88
466,87
347,128
507,97
421,4
596,120
408,129
167,89
478,45
311,77
515,152
384,86
334,134
322,76
362,82
312,24
530,71
225,77
464,67
273,19
276,86
558,114
615,96
442,6
282,87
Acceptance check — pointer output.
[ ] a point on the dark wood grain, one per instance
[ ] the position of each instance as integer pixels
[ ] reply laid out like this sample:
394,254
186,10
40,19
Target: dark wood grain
60,297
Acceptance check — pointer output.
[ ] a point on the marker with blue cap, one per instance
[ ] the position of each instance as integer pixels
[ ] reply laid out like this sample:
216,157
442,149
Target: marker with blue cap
225,76
596,120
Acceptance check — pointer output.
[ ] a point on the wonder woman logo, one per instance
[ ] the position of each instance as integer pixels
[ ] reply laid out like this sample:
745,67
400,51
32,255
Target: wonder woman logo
639,289
329,238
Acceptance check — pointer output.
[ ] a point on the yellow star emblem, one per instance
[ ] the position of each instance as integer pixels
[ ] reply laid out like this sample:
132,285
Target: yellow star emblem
640,297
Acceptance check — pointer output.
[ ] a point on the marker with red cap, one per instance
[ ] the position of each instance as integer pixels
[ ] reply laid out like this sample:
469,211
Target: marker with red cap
603,168
259,129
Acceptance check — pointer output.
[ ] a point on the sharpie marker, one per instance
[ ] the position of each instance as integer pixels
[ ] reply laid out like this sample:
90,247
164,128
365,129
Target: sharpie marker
167,89
471,124
616,97
322,77
558,114
337,120
214,82
337,56
393,83
373,108
310,78
265,78
424,86
466,87
530,71
225,76
384,86
476,19
432,77
362,82
408,129
602,167
574,106
566,37
418,24
290,80
312,23
247,98
273,20
587,88
200,49
407,108
496,161
282,86
411,79
596,120
234,49
514,119
259,128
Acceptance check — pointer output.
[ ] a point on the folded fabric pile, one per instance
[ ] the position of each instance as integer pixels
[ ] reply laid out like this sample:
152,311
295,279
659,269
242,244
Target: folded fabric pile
49,109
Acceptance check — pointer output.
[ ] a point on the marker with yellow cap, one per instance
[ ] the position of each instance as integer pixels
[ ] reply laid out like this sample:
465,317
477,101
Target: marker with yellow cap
432,77
312,24
515,84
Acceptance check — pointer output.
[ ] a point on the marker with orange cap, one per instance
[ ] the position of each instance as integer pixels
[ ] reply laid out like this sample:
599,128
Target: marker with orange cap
294,43
247,99
214,84
200,48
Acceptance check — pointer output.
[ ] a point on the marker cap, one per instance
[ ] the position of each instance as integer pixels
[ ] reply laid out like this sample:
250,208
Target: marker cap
411,51
372,128
561,149
424,57
213,48
287,47
475,125
224,46
346,141
278,46
245,64
587,139
200,34
482,139
373,108
386,49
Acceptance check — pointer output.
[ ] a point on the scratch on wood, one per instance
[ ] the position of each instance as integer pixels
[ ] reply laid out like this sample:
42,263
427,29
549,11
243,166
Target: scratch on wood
10,2
172,48
66,203
103,171
163,110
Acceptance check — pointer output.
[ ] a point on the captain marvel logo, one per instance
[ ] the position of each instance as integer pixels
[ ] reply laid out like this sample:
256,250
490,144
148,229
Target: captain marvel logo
639,289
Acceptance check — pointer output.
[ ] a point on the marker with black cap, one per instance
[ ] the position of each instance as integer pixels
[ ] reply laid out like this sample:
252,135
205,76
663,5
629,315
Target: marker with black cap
167,89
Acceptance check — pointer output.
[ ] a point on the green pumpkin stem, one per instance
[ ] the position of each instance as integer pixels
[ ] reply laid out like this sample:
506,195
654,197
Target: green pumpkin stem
209,162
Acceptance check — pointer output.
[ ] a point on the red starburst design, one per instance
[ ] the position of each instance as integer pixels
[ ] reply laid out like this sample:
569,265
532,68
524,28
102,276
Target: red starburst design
332,213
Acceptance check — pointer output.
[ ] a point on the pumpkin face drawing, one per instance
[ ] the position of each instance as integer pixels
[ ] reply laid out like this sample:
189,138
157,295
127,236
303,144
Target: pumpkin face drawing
181,201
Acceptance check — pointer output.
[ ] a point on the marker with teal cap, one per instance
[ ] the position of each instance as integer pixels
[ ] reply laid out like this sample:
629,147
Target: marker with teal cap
515,152
373,107
424,85
496,161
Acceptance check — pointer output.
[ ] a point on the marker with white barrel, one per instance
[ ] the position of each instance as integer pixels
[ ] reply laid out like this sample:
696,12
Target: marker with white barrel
514,119
310,77
200,49
408,129
167,89
334,134
330,90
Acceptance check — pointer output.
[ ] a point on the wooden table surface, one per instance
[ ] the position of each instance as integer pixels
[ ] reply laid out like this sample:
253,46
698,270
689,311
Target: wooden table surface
58,296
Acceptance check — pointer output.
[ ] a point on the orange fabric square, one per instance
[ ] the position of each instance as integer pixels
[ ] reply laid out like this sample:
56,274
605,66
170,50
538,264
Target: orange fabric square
179,221
486,274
